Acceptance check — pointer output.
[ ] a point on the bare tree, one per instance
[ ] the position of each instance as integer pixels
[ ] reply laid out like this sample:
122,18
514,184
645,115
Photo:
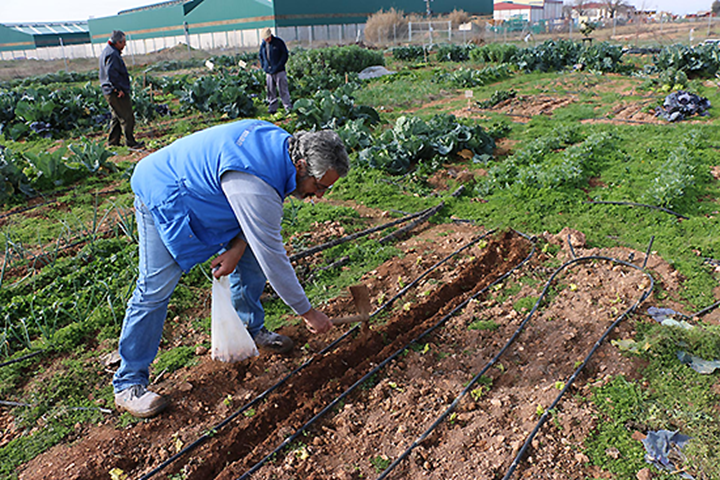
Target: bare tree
613,7
580,6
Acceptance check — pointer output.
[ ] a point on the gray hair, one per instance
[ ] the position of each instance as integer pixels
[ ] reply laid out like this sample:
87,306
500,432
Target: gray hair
323,151
117,36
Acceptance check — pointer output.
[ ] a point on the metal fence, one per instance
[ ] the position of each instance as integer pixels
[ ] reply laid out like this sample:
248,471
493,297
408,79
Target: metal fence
638,31
232,40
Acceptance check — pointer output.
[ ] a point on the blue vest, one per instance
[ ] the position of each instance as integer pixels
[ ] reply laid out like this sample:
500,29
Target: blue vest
180,184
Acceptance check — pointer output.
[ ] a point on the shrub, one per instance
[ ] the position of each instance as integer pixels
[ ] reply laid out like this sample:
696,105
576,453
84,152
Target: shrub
453,53
385,25
410,53
494,52
457,17
338,60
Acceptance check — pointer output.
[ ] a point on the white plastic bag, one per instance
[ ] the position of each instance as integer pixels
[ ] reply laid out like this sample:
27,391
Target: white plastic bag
231,341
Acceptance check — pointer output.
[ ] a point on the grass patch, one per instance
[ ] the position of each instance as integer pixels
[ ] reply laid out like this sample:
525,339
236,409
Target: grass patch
671,396
174,359
525,304
483,325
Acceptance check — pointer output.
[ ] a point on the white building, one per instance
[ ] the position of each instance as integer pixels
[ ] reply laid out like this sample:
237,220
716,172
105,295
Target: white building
528,10
505,11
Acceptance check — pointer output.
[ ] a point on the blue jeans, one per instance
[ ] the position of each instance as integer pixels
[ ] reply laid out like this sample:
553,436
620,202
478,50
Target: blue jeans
147,308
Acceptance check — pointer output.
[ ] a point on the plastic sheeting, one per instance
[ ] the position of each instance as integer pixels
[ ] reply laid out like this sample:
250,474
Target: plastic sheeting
663,447
679,105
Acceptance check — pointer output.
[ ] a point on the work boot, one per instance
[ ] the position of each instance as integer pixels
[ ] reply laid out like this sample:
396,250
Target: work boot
137,146
273,342
139,402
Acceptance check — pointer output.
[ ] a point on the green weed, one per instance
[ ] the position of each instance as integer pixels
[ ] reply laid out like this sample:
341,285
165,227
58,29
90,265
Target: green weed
380,463
174,359
483,325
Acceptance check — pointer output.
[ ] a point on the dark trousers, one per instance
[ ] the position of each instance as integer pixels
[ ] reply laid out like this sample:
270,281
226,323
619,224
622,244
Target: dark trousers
122,121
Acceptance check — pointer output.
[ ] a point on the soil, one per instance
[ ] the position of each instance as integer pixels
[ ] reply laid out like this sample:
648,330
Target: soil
523,107
380,419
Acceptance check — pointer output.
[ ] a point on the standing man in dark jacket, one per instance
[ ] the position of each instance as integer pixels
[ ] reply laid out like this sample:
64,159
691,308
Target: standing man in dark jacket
273,57
115,84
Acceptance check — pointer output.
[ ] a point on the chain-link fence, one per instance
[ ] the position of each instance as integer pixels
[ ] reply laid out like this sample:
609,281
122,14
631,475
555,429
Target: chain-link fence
639,31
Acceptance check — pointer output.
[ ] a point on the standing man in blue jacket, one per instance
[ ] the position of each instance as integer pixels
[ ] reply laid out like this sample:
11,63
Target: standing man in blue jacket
273,57
115,84
219,190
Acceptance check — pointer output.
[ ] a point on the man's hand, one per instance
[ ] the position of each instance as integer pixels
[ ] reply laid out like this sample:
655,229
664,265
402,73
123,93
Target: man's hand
120,94
316,321
228,260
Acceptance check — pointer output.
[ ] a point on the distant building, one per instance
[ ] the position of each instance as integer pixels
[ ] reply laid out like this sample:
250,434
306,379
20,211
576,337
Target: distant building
527,10
223,24
598,12
20,37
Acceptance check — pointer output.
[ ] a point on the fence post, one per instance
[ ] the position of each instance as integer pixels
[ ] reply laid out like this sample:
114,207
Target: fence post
449,31
409,32
187,37
709,24
62,47
132,49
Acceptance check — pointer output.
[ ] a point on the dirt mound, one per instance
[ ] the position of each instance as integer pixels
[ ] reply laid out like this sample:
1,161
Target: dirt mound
376,422
523,107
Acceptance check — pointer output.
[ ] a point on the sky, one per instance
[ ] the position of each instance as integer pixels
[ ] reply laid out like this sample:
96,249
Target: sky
16,11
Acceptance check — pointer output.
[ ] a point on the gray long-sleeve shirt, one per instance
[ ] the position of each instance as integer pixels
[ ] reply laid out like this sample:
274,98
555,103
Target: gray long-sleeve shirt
259,211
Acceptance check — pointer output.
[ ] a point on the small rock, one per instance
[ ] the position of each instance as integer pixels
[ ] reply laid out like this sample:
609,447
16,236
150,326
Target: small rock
581,458
111,359
185,387
201,350
644,474
613,453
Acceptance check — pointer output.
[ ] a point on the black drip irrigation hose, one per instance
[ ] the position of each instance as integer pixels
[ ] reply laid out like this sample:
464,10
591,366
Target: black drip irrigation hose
213,431
50,202
633,204
454,404
380,366
707,309
494,360
423,218
45,257
353,236
424,214
597,345
20,359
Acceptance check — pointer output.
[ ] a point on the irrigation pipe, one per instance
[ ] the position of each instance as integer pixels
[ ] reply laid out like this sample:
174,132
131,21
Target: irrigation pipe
494,360
707,309
213,431
45,257
353,236
423,218
347,238
20,359
6,403
4,265
379,367
50,202
633,204
597,345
